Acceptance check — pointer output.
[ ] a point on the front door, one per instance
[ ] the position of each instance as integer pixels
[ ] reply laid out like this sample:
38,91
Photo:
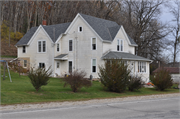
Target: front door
57,68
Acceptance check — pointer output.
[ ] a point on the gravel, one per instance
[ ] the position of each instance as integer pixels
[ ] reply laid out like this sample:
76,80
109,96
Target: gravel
74,103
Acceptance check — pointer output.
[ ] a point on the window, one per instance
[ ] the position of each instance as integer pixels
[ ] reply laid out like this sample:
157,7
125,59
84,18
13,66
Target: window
93,65
25,63
24,49
57,65
58,47
93,43
70,66
70,45
41,46
119,45
41,65
44,46
80,29
141,66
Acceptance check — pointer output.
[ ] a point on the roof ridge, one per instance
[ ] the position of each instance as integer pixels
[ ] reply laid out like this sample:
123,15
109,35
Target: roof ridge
55,24
97,17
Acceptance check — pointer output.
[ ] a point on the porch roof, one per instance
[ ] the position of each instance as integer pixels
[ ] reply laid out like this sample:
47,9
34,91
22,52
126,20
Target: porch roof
124,56
61,57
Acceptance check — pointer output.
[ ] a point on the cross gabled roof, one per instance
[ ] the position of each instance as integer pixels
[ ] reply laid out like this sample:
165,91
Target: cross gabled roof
106,29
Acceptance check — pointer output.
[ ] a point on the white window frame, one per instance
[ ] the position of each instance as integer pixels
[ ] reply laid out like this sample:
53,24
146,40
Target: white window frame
92,65
41,46
42,63
72,45
23,49
120,40
68,65
141,64
24,63
92,42
57,47
79,29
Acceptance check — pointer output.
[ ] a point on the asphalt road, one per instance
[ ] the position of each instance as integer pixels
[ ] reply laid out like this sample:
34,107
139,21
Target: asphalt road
164,108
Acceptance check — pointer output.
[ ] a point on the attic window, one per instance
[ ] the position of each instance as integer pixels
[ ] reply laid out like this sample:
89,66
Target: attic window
80,29
24,49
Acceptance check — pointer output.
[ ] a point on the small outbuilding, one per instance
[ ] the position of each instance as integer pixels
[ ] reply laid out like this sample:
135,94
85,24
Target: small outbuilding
174,71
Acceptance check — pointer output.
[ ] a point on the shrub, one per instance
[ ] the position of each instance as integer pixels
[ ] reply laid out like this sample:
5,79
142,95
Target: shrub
114,75
17,68
135,82
39,77
162,80
77,80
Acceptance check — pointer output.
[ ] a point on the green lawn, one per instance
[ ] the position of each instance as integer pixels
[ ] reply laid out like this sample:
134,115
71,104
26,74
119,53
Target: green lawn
21,91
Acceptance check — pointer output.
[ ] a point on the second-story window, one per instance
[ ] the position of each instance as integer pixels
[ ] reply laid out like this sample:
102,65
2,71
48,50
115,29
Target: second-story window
80,29
119,45
41,46
24,49
58,47
93,43
70,45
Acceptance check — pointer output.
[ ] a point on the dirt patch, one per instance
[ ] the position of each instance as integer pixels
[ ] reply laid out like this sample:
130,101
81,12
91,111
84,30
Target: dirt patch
8,50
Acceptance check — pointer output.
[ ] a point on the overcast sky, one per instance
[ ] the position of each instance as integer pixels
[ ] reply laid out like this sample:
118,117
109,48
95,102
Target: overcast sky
167,17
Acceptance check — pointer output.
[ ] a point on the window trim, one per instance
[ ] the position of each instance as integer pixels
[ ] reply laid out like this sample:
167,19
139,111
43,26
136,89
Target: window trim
68,65
24,50
142,66
41,46
58,47
42,63
69,46
92,42
92,65
79,29
24,63
120,40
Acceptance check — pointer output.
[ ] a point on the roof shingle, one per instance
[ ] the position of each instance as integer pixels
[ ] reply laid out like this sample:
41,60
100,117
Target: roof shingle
172,70
106,29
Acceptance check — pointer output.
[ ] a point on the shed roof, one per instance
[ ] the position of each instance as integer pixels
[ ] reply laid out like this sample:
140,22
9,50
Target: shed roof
172,70
124,55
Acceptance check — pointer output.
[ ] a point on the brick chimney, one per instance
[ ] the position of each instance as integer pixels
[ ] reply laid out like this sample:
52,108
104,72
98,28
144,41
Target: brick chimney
44,22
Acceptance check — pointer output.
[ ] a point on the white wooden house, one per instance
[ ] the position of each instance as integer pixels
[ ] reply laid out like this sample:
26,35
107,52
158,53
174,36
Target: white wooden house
82,44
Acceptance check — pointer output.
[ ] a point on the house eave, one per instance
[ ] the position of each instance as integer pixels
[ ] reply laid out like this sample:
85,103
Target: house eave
128,59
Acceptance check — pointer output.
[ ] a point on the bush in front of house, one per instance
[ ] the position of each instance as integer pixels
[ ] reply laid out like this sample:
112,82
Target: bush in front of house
39,77
162,80
114,75
135,83
76,80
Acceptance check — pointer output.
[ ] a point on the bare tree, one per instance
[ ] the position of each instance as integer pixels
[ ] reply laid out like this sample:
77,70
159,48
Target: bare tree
175,11
144,26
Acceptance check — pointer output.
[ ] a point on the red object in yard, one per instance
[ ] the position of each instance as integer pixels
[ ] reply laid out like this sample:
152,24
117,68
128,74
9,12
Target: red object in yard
150,84
44,22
